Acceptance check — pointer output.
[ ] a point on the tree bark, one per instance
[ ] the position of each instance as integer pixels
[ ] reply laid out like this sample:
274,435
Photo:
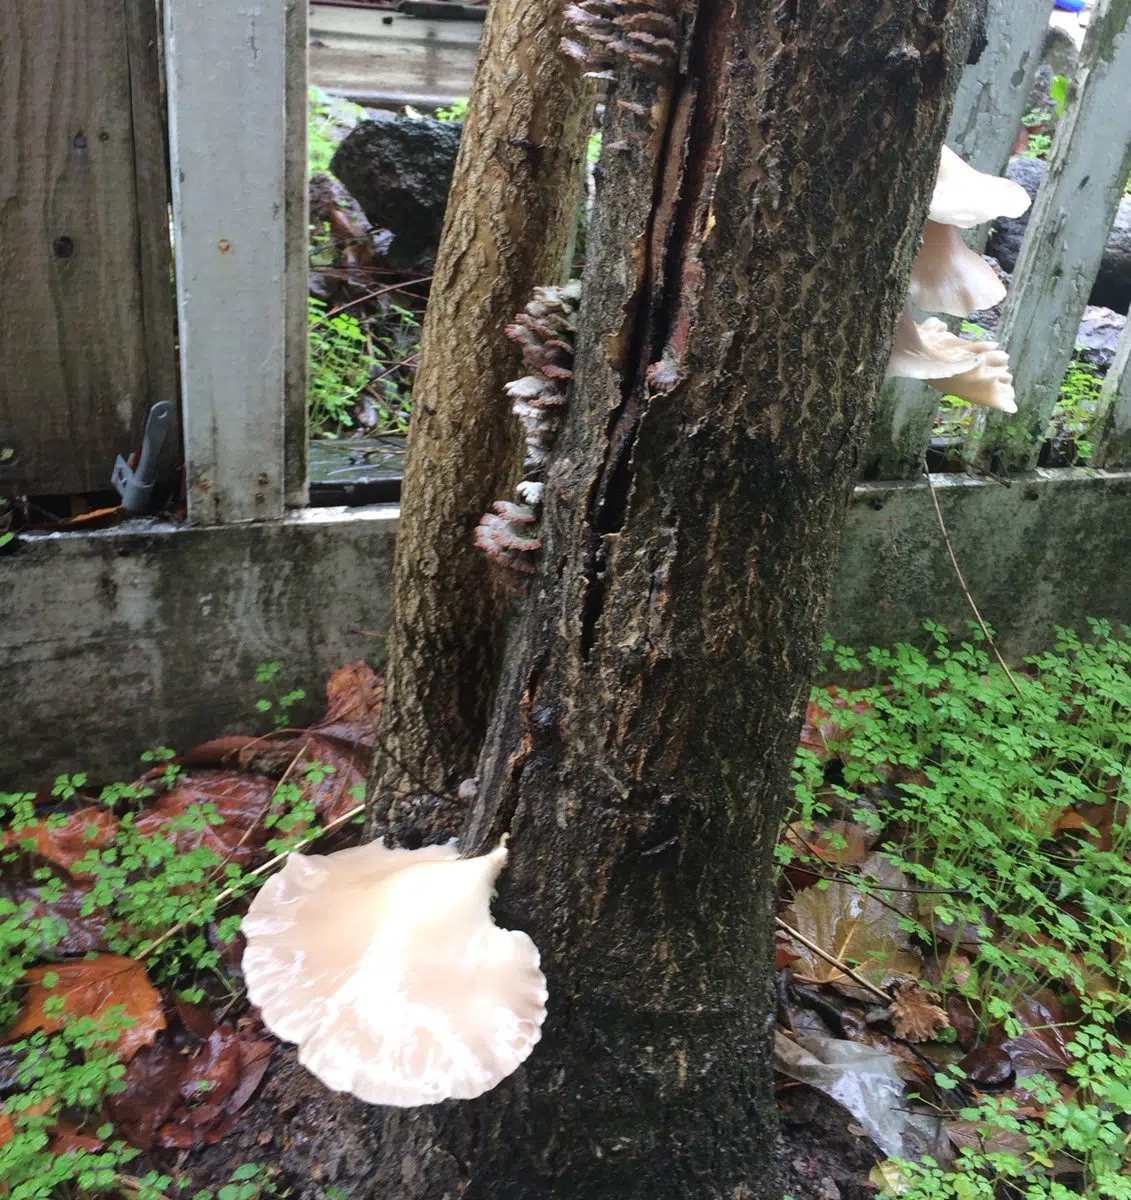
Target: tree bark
749,255
510,213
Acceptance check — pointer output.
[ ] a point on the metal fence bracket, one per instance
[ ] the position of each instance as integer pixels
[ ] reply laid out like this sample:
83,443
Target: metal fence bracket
135,484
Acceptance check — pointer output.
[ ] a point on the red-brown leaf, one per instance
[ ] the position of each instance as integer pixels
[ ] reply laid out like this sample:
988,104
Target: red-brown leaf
354,696
64,842
240,800
89,988
821,726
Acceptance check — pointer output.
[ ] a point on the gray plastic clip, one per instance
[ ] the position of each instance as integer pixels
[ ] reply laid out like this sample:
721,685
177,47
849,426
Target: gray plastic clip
135,484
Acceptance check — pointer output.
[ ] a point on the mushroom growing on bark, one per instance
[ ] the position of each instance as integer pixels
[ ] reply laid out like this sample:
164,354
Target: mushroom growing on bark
386,968
948,277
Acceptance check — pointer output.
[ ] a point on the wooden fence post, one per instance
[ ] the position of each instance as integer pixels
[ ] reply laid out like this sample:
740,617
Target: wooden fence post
1113,420
983,127
86,324
1069,225
228,131
994,91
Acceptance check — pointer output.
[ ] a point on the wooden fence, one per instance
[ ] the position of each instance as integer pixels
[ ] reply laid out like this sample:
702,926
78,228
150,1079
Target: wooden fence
93,332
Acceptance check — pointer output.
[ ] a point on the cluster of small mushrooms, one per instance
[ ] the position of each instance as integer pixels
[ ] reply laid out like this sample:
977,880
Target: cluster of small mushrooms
545,330
950,278
385,965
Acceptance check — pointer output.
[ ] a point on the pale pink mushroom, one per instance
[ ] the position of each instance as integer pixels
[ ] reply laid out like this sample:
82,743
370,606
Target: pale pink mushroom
988,385
965,197
922,352
949,277
386,968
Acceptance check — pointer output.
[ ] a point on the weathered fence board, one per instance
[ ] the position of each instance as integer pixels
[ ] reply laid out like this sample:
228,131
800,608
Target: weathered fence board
357,50
992,97
86,337
1070,222
987,114
1114,443
226,71
295,488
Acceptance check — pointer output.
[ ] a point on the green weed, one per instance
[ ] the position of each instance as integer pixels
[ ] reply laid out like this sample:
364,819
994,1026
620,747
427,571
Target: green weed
1012,804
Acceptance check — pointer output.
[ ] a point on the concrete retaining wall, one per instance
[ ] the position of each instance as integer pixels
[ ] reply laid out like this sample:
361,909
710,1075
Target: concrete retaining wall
150,634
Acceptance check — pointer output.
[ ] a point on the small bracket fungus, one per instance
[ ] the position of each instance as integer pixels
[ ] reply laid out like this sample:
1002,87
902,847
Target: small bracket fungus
604,33
545,330
386,968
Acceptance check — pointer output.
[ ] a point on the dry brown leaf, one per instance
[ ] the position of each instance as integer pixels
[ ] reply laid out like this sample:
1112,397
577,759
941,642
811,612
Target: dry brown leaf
88,989
915,1015
855,928
354,696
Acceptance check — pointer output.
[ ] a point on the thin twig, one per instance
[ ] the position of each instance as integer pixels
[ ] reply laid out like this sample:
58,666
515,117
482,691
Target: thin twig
259,816
831,960
229,892
962,583
393,287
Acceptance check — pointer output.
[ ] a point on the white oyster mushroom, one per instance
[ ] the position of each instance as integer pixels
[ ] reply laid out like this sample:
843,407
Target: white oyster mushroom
386,968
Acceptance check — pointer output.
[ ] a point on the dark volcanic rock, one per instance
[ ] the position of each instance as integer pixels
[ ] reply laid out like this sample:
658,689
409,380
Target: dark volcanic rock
1008,233
1113,283
399,169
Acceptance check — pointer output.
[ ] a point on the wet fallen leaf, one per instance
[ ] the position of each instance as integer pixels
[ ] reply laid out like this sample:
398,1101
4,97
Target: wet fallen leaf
186,1100
988,1068
1042,1047
195,1018
67,1138
151,1092
963,1018
81,933
855,928
1093,822
240,801
843,843
915,1015
821,726
334,793
64,840
972,1135
219,752
90,988
8,1126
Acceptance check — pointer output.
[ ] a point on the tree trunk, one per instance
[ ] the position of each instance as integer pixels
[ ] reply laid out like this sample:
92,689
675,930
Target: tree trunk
748,257
510,213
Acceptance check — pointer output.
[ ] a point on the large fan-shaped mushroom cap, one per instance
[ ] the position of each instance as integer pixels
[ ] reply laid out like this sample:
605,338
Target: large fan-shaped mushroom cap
388,970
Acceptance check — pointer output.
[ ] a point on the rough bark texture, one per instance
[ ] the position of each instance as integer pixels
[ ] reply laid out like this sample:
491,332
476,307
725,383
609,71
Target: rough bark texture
509,216
749,255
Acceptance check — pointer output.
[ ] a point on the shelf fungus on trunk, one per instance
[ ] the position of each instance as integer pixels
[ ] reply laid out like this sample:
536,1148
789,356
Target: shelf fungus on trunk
386,968
950,278
604,33
545,329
